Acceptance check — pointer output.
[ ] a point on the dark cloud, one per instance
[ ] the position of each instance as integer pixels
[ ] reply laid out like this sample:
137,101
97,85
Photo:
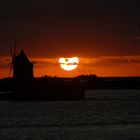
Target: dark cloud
88,9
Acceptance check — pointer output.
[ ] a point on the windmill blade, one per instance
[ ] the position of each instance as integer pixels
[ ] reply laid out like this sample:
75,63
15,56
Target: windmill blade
11,52
15,47
11,67
33,62
13,55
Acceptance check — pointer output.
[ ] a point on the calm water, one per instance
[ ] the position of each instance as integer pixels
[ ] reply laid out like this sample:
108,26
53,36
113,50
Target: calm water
113,94
92,119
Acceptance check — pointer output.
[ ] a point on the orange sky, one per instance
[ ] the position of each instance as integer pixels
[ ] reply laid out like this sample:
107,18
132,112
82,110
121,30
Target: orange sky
105,35
101,66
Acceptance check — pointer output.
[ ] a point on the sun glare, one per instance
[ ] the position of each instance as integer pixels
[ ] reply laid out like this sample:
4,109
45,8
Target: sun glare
69,64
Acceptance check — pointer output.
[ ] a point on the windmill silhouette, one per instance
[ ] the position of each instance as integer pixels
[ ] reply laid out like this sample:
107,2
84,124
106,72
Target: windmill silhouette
13,56
22,71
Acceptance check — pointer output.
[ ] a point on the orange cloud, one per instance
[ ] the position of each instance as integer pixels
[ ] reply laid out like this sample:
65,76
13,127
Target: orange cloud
110,60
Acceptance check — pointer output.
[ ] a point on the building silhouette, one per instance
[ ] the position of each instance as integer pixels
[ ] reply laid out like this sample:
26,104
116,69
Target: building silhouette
22,73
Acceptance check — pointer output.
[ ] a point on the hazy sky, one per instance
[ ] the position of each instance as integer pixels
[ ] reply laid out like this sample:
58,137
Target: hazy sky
91,29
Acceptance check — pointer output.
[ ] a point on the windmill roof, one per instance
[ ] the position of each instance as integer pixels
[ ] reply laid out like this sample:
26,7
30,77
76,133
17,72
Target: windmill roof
22,57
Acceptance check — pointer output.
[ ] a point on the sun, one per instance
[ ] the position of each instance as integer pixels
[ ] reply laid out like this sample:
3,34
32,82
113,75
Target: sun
69,64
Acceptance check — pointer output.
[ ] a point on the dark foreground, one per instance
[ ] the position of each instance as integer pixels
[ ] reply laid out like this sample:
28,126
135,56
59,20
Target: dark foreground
69,120
65,88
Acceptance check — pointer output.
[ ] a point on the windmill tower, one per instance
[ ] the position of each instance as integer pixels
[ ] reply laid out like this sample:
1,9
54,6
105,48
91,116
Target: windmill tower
22,71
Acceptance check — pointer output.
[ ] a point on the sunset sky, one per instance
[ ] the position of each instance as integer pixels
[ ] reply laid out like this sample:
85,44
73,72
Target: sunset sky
105,35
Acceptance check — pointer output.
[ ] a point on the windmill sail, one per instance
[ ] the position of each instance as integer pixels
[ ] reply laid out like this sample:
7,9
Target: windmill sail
15,48
13,55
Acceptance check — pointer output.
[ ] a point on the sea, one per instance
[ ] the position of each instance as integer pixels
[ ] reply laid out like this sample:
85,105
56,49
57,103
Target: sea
109,117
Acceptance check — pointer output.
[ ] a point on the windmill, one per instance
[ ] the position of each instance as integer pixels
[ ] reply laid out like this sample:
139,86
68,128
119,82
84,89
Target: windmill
22,70
13,56
20,64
